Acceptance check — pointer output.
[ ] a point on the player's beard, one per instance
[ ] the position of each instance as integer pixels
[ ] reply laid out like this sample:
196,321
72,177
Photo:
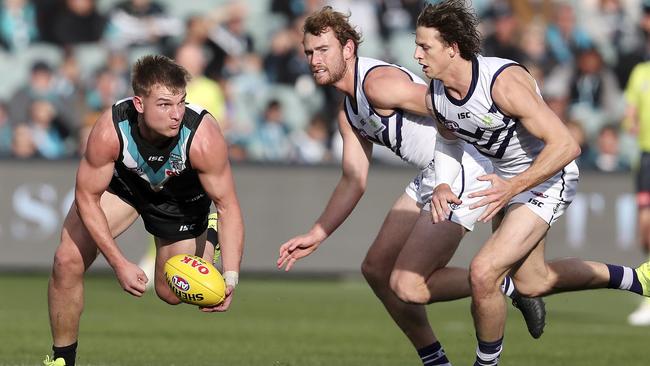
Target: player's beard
335,74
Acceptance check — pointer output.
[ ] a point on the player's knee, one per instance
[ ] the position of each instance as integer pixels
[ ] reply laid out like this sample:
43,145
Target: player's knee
373,272
165,294
67,262
409,289
483,277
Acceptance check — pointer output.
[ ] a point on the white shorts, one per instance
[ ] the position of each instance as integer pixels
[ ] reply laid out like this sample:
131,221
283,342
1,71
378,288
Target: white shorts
550,199
473,166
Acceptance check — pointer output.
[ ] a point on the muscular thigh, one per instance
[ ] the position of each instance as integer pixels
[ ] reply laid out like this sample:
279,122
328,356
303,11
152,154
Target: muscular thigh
429,247
394,232
517,236
76,238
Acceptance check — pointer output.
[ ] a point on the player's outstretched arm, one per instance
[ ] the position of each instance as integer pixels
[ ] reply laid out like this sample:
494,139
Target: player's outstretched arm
93,177
209,156
515,94
356,162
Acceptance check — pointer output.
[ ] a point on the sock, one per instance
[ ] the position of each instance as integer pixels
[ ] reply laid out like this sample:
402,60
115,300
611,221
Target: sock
624,278
487,353
508,287
68,353
433,354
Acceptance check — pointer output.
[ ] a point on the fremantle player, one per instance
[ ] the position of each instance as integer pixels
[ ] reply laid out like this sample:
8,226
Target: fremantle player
495,105
150,155
385,105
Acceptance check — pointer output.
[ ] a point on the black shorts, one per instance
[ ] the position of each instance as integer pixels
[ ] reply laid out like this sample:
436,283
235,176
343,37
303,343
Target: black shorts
190,227
167,221
643,175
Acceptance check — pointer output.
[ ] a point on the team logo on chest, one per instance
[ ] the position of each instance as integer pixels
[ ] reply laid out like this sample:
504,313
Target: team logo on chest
371,126
176,164
488,122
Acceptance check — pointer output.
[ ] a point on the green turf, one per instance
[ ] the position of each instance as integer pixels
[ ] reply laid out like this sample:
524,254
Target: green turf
304,323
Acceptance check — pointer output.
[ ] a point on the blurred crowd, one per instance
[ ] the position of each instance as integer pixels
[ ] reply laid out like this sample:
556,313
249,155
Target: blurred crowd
249,70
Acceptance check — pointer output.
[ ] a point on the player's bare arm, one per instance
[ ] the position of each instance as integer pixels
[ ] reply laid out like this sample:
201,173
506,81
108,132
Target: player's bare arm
515,94
93,177
389,88
351,187
209,156
447,157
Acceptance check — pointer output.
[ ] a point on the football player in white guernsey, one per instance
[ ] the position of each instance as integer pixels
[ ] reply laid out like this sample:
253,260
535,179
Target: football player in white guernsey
495,105
406,264
174,203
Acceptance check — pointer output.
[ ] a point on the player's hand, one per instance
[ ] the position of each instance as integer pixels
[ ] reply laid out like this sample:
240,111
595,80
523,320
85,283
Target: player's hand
132,278
225,304
441,197
298,247
495,198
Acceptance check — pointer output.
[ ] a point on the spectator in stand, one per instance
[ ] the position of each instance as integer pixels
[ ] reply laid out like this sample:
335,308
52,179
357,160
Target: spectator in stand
222,34
141,23
5,131
41,85
529,11
42,123
294,9
640,51
611,25
594,94
605,156
105,90
279,62
201,90
397,16
270,141
22,143
564,36
502,41
69,89
18,28
290,9
310,144
285,62
533,47
78,21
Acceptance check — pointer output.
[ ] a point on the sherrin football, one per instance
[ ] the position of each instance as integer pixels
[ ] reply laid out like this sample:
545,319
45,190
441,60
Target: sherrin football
194,281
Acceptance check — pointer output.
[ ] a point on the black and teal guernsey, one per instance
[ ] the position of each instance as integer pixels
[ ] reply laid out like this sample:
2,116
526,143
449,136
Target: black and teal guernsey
159,182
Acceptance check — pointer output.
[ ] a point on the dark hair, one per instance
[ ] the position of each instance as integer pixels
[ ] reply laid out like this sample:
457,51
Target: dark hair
327,18
156,69
456,23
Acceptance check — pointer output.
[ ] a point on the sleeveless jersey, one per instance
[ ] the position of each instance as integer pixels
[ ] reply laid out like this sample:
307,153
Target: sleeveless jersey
409,136
158,181
478,120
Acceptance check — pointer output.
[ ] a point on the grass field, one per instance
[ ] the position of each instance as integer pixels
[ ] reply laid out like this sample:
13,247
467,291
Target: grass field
304,323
